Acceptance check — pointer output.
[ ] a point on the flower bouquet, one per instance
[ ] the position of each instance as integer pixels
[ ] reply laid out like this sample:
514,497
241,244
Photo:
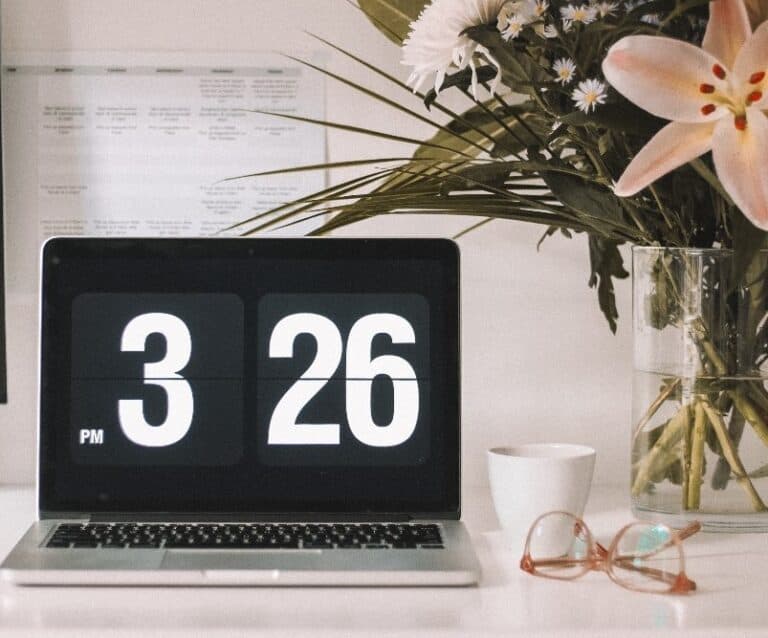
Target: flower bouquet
630,122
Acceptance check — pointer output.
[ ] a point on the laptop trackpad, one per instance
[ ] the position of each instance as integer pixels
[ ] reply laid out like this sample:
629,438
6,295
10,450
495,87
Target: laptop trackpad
239,559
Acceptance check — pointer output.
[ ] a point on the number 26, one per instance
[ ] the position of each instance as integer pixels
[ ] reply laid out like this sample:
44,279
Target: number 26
360,372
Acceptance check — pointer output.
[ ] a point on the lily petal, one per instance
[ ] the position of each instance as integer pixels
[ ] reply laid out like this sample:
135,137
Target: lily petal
727,30
663,76
674,145
741,161
752,60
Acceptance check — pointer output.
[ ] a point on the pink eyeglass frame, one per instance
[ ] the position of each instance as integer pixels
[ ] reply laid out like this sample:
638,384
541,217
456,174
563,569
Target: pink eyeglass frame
601,559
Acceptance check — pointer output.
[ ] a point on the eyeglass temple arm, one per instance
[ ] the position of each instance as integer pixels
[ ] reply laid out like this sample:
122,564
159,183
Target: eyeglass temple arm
688,530
679,581
529,565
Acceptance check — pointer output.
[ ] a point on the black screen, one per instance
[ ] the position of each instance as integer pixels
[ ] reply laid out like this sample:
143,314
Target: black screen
250,375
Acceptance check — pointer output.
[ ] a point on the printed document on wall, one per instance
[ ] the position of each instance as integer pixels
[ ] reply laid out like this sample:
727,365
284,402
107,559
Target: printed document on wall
124,144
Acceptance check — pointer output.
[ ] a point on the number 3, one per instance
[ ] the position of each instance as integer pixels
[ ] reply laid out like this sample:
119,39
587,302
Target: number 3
164,373
360,372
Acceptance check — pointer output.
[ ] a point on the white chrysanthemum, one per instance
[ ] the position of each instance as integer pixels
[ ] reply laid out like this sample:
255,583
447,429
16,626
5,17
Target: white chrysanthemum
582,13
606,9
588,94
565,70
435,43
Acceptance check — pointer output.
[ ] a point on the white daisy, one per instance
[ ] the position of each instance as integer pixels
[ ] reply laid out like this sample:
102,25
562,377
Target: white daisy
435,44
507,10
527,10
588,94
517,15
606,9
582,13
514,27
564,69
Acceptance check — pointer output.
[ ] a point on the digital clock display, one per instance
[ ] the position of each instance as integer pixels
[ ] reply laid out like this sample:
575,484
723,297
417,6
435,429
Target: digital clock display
275,381
157,379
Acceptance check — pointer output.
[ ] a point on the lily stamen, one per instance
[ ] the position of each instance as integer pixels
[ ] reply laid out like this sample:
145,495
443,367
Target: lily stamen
740,122
707,88
719,72
756,78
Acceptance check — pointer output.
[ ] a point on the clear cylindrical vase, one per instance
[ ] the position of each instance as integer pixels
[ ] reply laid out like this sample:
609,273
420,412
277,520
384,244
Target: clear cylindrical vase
700,399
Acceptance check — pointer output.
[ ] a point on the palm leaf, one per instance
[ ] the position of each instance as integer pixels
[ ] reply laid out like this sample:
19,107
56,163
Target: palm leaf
324,166
392,17
355,129
296,205
391,103
455,117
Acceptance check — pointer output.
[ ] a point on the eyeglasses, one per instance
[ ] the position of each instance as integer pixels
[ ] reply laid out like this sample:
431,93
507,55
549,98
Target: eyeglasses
645,557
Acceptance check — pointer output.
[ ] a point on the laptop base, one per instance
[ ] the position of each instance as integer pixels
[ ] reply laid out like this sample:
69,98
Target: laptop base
31,563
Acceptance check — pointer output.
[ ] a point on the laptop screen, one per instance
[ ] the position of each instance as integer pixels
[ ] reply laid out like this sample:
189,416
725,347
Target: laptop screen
249,376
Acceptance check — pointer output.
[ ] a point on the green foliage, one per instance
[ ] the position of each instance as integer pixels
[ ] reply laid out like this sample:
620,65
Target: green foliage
623,117
606,263
392,17
521,73
541,160
461,79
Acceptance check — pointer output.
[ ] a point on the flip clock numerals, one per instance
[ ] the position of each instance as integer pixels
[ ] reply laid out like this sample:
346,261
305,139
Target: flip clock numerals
360,371
163,373
157,378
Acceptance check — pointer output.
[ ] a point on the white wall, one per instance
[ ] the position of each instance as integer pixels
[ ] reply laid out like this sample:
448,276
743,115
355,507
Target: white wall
539,363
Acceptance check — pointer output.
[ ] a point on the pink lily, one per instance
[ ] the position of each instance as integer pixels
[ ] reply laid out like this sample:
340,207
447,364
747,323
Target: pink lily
715,97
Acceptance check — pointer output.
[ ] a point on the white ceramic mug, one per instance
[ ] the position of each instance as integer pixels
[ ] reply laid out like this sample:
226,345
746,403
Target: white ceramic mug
529,480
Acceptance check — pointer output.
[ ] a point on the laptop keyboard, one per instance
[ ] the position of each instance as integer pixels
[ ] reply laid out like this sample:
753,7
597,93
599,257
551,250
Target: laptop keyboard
248,536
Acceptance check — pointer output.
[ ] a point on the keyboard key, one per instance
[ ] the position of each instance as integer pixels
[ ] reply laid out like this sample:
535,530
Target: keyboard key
54,542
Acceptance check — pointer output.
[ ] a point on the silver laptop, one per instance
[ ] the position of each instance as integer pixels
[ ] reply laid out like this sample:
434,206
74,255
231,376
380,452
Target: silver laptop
248,412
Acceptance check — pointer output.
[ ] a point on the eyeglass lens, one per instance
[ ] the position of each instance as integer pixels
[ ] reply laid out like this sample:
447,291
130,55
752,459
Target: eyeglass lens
560,546
646,558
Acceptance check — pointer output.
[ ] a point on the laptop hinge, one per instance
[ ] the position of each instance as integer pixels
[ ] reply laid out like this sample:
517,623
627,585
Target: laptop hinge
102,517
215,517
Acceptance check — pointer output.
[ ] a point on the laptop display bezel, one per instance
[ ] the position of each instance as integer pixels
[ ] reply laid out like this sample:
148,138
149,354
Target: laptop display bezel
60,249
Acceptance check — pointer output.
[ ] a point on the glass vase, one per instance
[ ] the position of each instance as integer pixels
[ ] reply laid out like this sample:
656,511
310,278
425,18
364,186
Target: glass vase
700,402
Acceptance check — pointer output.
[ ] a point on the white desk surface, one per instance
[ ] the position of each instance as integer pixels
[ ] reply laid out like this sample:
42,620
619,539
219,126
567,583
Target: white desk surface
731,572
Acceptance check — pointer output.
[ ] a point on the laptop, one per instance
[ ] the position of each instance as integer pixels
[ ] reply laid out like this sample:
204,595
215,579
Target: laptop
248,412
